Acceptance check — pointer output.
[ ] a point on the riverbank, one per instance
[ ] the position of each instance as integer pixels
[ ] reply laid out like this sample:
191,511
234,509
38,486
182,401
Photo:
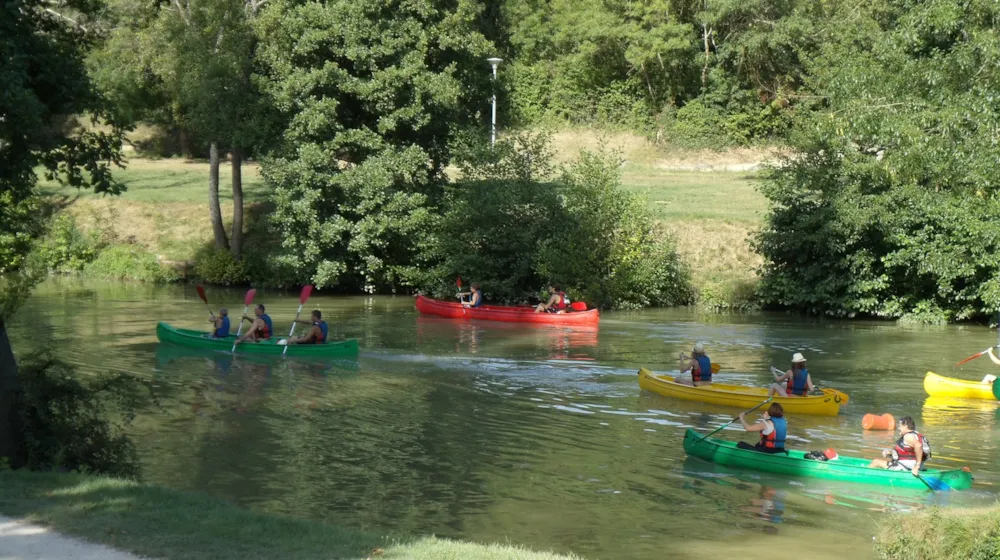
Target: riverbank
706,200
941,534
162,523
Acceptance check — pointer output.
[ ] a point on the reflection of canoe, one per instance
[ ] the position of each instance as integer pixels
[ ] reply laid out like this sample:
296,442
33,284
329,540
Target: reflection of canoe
169,353
940,386
451,310
970,414
847,469
198,339
827,404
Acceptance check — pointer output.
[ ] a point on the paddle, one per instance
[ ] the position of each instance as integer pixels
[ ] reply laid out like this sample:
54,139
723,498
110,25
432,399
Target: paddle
458,283
938,484
731,421
973,357
201,293
247,300
307,291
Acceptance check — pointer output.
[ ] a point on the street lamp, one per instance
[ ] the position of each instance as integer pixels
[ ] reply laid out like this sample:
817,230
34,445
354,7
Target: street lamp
494,62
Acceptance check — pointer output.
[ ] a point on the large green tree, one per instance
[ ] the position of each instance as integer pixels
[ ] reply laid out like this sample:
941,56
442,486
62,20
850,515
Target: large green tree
373,92
44,83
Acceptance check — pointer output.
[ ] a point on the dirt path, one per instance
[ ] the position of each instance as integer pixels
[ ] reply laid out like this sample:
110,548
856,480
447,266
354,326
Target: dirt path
26,541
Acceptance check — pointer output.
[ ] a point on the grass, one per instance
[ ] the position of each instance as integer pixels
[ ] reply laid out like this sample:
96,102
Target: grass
941,534
162,523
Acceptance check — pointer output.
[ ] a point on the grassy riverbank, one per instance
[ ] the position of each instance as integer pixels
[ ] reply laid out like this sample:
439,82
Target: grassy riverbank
941,534
707,200
162,523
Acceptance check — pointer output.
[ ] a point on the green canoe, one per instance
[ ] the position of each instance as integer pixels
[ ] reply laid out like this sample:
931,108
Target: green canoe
199,339
847,469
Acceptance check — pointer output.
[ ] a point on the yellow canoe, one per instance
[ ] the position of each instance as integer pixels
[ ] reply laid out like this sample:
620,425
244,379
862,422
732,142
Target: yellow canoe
941,386
737,396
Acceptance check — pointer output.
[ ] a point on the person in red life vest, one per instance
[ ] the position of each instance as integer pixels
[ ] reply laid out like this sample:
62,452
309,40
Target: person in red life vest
794,382
260,326
558,302
910,453
318,330
475,296
773,429
700,366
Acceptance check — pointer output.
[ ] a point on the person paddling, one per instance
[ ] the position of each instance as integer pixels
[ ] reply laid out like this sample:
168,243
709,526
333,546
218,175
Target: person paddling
558,301
317,332
700,366
260,326
474,294
221,323
910,453
794,382
989,378
773,430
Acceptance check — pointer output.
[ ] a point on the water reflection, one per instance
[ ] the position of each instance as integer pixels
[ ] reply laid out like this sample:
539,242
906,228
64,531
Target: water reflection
578,343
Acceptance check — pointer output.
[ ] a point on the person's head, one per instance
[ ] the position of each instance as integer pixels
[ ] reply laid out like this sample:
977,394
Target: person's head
316,315
699,348
774,411
475,286
223,312
553,288
906,424
798,361
259,310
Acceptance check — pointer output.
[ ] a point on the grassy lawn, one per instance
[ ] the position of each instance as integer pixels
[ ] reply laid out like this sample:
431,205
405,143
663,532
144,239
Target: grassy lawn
161,523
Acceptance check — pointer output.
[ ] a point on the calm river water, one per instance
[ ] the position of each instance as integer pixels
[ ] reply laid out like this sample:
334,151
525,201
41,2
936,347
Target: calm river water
536,436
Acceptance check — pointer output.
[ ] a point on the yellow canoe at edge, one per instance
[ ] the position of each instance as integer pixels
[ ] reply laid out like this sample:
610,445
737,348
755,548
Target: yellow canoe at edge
941,386
738,396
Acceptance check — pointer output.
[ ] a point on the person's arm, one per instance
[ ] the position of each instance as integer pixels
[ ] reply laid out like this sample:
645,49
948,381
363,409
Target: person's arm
476,298
994,358
809,383
758,427
302,321
918,449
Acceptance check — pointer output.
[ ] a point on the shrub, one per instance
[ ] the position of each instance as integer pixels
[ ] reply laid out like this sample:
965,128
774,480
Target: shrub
66,249
72,425
218,266
128,262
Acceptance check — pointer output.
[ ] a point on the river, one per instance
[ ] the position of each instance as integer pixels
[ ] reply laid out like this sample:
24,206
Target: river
535,436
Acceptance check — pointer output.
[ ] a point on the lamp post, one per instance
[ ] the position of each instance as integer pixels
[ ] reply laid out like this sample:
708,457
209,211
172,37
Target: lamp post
494,62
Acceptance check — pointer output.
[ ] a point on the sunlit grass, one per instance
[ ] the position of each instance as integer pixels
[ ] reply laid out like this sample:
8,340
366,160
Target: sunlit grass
940,534
161,523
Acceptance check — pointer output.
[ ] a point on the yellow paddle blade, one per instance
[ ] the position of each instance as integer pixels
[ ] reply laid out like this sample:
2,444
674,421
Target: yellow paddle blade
715,368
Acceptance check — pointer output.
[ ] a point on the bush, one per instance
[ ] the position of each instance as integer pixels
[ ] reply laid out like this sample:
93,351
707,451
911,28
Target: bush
218,266
128,262
71,425
66,249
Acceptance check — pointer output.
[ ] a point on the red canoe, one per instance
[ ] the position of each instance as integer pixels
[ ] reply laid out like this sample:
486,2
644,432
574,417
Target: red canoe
429,306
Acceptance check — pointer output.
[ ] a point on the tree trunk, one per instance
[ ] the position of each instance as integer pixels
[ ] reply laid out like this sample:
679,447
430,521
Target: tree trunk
707,33
184,143
214,212
10,402
236,243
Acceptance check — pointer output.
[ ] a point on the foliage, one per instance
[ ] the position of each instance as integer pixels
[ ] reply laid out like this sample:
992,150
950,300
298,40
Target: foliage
129,262
65,248
218,266
941,534
890,210
372,93
76,426
512,225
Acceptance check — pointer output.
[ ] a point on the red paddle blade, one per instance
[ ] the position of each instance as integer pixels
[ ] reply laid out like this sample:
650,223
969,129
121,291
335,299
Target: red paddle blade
307,291
458,282
201,293
248,299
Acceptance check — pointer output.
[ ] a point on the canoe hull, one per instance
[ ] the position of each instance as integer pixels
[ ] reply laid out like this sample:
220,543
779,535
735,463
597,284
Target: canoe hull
846,469
940,386
451,310
737,396
199,340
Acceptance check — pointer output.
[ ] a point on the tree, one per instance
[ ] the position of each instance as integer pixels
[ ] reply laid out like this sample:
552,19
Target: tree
42,49
373,93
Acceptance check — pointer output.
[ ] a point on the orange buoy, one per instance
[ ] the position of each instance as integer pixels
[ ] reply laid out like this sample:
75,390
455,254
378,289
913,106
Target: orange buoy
883,422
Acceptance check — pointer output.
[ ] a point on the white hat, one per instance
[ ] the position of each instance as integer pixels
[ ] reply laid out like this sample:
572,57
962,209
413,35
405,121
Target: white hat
699,348
798,358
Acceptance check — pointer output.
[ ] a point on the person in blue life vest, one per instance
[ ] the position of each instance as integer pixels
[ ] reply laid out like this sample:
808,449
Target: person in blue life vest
700,366
794,382
474,294
260,326
221,324
318,330
773,430
911,452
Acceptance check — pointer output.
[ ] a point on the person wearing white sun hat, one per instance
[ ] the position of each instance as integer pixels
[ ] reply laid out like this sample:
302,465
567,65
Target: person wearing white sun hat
794,382
698,364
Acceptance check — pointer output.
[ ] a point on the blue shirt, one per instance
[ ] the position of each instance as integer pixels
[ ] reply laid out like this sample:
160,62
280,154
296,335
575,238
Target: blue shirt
223,331
267,321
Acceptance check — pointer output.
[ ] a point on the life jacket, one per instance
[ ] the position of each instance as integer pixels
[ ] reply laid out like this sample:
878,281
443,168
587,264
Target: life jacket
797,384
479,302
905,452
322,327
223,331
704,370
268,327
563,302
775,439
